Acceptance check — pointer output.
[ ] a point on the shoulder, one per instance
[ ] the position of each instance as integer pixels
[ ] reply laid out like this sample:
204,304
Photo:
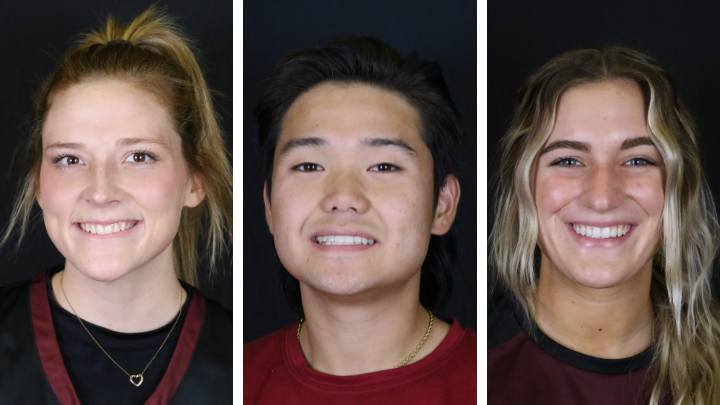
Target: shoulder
209,372
265,348
217,325
263,362
503,323
12,296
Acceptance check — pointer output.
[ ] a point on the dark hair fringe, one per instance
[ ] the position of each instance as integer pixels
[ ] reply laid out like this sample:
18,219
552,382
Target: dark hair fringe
369,61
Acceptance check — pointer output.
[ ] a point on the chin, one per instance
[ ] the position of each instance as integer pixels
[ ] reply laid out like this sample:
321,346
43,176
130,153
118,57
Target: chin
339,283
599,278
107,271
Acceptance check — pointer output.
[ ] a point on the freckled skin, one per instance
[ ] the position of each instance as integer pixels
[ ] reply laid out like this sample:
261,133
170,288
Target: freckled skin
105,186
602,187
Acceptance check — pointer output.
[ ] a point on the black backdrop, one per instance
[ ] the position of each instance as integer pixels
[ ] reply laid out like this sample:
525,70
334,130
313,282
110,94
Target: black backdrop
443,32
34,35
682,36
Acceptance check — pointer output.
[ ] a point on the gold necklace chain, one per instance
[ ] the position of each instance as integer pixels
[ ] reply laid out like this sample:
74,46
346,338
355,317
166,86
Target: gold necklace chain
407,360
132,376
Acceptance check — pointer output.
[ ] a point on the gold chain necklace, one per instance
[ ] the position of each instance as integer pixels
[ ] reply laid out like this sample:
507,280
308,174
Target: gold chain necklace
132,376
407,360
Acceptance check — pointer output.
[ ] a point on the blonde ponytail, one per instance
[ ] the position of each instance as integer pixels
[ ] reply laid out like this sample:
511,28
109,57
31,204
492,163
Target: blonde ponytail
152,53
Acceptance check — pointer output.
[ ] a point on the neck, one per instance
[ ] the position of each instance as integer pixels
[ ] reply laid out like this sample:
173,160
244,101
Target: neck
611,323
144,299
358,335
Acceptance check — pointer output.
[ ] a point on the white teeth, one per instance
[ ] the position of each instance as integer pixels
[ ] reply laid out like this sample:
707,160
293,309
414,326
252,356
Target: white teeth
343,240
106,230
601,233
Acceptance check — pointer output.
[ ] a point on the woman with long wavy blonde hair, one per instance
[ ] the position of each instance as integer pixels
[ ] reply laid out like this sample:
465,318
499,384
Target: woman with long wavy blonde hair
601,181
127,163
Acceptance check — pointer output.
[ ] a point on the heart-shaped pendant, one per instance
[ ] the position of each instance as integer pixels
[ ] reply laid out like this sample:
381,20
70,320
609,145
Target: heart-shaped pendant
137,384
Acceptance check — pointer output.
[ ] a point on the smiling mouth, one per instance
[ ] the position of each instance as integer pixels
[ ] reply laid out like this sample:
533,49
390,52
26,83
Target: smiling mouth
107,229
343,240
595,232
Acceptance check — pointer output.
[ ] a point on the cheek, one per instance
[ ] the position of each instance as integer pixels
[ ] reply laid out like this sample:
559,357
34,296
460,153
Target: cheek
408,211
552,193
163,193
650,195
55,190
291,203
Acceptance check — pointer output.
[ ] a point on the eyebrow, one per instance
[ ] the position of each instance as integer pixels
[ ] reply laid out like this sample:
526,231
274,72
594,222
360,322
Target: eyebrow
134,141
581,146
392,142
301,143
633,142
120,142
367,142
68,145
585,147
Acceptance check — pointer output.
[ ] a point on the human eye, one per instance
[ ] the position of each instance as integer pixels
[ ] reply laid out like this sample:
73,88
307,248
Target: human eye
141,157
638,161
67,160
384,167
566,162
308,167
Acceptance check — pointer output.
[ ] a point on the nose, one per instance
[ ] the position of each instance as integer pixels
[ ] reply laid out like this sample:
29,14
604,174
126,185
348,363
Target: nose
603,189
102,187
345,192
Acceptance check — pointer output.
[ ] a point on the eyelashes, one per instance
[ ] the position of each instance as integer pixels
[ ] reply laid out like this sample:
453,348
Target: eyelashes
142,157
308,167
571,162
566,162
136,157
314,167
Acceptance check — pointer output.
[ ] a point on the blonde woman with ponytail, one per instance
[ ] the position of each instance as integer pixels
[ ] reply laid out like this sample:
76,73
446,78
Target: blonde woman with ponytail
603,243
128,164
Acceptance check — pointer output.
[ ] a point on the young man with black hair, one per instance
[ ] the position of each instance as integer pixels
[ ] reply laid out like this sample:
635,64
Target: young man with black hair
360,160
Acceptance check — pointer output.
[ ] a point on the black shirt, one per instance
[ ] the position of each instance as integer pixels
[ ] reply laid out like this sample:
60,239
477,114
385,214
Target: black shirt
94,376
34,371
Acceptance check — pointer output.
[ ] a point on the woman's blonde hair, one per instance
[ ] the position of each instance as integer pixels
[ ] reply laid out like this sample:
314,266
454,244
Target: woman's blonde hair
153,54
687,346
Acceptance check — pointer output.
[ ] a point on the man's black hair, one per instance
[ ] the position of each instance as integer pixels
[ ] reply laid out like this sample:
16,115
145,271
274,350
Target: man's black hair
369,61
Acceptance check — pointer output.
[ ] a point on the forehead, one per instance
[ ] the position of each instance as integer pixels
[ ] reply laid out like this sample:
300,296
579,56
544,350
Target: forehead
96,110
601,111
342,113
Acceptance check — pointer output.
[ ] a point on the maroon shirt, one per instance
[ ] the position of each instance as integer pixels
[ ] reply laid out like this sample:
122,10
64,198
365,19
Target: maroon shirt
525,366
275,372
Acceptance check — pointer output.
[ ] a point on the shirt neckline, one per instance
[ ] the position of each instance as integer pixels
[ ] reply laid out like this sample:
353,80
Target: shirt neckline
296,363
580,360
112,340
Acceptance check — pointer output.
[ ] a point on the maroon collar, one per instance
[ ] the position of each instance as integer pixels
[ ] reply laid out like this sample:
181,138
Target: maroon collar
54,367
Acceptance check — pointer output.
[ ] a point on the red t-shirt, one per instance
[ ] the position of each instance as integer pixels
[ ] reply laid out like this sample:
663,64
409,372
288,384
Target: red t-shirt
275,372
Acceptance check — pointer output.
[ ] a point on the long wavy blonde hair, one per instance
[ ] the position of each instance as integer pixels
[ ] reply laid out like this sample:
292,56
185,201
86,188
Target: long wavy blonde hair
687,346
152,53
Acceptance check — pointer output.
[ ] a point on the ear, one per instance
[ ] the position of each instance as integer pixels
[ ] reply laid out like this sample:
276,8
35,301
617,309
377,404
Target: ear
196,194
268,208
447,206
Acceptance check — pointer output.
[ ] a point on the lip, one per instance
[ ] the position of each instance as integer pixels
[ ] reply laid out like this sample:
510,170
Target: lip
76,226
602,243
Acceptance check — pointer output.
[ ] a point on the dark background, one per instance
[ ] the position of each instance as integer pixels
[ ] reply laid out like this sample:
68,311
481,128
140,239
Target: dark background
683,36
443,32
35,34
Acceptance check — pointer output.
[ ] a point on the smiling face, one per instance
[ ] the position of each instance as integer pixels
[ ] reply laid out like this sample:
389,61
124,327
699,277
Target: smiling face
352,191
113,180
599,188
